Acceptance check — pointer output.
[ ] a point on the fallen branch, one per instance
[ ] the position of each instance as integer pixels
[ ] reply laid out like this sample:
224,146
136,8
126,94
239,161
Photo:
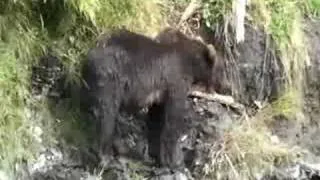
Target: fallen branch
223,99
192,7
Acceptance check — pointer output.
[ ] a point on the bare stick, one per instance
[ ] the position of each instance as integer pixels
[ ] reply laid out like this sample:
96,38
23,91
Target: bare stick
192,7
223,99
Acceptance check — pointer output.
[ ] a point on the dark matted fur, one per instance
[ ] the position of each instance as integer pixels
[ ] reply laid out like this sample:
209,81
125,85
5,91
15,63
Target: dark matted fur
128,71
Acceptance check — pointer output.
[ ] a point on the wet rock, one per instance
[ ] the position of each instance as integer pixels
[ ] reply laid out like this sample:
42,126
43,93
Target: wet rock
252,68
299,171
260,70
46,75
116,175
175,176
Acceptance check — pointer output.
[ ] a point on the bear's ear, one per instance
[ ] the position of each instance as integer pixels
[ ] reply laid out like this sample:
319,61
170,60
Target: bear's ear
211,53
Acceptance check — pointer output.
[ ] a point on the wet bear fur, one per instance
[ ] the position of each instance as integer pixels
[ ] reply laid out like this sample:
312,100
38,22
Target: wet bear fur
126,72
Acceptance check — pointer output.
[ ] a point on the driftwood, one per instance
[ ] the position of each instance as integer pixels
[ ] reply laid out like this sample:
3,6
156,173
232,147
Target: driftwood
223,99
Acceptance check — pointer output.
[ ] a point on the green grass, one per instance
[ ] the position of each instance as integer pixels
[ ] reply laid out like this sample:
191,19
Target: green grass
215,12
247,148
312,8
282,20
68,28
19,46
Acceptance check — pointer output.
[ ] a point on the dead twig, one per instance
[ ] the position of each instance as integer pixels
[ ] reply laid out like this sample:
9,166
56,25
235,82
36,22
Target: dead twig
192,7
223,99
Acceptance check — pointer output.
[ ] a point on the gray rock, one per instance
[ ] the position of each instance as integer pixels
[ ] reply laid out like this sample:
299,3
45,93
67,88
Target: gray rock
175,176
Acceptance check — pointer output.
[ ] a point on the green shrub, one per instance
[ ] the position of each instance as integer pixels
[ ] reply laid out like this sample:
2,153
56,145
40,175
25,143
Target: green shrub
28,29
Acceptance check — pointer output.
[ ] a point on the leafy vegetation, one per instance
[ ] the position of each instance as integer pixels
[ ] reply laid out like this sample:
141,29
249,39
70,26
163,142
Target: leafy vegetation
282,20
215,12
67,28
29,29
312,8
247,146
